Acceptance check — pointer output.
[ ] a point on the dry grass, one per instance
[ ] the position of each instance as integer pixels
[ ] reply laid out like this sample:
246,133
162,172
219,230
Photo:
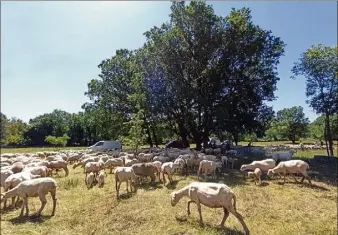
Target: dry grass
269,209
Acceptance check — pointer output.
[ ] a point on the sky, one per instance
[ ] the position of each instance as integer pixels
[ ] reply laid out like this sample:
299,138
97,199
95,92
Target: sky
51,50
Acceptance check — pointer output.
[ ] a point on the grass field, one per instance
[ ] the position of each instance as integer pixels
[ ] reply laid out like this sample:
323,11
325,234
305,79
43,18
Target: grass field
272,208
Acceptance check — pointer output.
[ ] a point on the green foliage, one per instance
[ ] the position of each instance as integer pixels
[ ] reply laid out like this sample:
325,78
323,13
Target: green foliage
57,141
316,128
3,128
290,123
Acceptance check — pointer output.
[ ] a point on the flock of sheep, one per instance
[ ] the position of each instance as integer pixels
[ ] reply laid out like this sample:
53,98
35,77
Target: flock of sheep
30,175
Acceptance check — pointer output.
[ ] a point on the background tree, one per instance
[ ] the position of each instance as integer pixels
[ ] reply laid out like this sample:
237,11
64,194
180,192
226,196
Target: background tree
290,123
3,128
15,131
319,65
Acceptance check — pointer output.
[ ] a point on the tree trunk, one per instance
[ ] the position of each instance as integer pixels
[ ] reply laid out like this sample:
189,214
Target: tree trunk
329,134
155,136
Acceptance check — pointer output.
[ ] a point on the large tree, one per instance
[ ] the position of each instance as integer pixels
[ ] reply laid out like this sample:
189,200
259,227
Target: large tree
213,72
290,123
319,65
3,128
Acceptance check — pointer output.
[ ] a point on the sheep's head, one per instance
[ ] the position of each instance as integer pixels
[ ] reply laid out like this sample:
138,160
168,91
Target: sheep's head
270,173
243,167
251,174
173,199
2,197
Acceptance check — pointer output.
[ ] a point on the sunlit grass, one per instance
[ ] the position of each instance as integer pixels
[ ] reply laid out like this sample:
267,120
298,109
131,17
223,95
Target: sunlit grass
266,209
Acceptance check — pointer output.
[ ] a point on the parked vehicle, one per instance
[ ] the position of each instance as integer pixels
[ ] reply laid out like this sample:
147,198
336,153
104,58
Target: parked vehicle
106,145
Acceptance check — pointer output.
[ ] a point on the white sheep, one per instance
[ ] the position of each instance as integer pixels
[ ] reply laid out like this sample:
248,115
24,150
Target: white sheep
38,170
113,162
15,179
4,174
101,176
124,174
94,167
90,180
208,167
158,165
130,162
256,174
281,156
32,188
168,168
59,164
263,165
291,166
212,195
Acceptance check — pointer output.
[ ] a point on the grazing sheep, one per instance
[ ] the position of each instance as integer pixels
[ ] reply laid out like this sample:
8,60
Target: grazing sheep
101,176
124,174
38,170
59,164
90,179
208,167
256,174
168,169
4,174
158,165
94,167
212,195
32,188
291,166
281,156
17,167
130,162
263,165
113,162
13,180
145,170
181,162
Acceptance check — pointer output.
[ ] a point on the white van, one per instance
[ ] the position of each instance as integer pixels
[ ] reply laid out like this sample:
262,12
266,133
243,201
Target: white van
105,145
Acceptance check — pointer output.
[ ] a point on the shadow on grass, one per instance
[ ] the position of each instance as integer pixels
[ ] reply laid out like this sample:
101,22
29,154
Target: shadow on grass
125,196
232,178
305,184
10,208
150,186
172,185
30,219
225,230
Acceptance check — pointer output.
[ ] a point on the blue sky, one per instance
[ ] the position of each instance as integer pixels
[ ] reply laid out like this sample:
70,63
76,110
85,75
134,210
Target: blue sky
50,50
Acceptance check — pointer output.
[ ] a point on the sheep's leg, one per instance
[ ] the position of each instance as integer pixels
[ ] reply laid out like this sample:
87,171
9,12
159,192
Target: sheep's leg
240,219
43,204
188,207
110,170
23,207
199,212
127,186
66,170
53,194
293,176
225,216
163,176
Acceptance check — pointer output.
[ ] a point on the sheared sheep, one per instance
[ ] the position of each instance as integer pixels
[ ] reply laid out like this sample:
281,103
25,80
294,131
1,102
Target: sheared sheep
113,162
263,165
38,170
101,176
208,167
168,169
32,188
158,165
130,162
90,179
59,164
94,167
145,170
17,167
212,195
281,156
291,166
256,174
124,174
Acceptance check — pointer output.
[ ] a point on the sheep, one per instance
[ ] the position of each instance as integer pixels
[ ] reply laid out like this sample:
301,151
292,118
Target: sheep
130,162
113,162
4,174
256,174
124,174
161,159
90,179
212,195
145,170
217,151
281,156
158,165
14,179
208,167
168,169
291,166
263,165
94,167
101,176
59,164
142,157
32,188
17,167
38,170
181,162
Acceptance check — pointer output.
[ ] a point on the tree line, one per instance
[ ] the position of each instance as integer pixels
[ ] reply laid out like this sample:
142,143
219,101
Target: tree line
198,74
